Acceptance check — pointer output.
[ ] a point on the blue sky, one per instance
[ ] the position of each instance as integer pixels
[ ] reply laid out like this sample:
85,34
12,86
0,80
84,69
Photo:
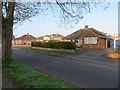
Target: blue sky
102,20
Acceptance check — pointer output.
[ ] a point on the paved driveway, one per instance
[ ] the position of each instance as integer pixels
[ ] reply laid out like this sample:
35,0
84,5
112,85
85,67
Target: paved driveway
87,72
94,56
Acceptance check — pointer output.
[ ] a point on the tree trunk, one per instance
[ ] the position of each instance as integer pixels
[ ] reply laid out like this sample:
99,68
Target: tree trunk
7,32
7,44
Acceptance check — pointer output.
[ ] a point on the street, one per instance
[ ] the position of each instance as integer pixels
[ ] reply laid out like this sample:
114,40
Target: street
88,71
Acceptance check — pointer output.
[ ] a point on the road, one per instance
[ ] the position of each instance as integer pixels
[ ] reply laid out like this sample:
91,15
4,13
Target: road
83,73
94,56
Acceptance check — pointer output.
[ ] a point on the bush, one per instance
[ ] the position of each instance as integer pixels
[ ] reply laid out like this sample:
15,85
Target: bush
28,43
56,45
118,49
78,46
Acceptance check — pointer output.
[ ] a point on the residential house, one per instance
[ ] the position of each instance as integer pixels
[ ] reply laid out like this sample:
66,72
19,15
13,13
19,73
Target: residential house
23,40
53,37
89,38
39,39
115,42
47,38
56,36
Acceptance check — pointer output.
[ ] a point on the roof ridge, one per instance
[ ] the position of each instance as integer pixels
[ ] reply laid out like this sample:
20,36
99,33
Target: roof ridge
81,32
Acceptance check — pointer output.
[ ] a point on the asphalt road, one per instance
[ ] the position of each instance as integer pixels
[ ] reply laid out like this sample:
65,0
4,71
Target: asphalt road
83,73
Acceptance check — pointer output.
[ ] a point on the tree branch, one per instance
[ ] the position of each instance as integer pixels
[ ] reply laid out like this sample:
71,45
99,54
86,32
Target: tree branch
6,7
10,10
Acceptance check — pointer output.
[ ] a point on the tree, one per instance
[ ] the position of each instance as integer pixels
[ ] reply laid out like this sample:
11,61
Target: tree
7,31
15,12
12,13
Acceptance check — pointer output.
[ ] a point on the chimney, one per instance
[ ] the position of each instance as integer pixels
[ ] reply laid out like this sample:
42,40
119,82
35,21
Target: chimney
86,26
27,34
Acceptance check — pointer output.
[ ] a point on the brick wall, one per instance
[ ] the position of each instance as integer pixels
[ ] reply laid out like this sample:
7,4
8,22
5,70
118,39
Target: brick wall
101,43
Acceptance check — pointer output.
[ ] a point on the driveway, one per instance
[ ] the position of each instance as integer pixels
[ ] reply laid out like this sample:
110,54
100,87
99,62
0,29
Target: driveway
94,56
93,71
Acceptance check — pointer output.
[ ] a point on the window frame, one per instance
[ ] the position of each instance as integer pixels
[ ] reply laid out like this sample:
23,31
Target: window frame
90,40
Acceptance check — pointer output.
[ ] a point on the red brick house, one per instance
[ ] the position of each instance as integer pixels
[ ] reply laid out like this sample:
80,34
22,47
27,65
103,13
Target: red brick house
40,39
89,38
54,37
23,40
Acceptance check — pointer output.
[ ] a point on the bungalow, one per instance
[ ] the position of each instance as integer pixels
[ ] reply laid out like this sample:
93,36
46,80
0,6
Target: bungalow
23,40
115,42
39,39
89,38
47,38
54,37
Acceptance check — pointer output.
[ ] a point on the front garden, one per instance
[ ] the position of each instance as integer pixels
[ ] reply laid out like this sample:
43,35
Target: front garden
115,54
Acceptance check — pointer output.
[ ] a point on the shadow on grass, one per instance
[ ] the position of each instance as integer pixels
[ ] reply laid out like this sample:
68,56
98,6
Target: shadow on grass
26,77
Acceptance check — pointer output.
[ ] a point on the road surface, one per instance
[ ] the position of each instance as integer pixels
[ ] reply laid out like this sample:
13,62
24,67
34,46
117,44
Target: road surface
78,71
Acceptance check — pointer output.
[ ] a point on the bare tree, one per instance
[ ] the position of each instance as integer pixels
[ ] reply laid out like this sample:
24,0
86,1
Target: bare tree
7,30
15,12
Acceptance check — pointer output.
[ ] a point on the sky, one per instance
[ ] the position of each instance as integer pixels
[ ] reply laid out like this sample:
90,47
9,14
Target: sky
102,20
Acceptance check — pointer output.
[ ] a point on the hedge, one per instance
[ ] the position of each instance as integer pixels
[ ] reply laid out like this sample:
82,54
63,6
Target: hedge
56,45
118,49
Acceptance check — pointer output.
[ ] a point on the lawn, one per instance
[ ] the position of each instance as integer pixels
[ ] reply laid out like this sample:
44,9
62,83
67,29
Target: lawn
50,52
27,77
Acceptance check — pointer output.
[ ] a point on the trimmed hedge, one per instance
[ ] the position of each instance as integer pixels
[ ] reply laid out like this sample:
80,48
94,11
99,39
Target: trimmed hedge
56,45
118,49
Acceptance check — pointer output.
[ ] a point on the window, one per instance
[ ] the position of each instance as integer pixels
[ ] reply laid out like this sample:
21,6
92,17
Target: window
90,40
76,40
72,40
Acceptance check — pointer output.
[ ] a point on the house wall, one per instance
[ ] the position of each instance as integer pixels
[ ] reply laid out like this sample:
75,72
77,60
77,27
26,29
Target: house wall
16,42
46,38
101,43
38,40
114,43
21,42
79,42
53,38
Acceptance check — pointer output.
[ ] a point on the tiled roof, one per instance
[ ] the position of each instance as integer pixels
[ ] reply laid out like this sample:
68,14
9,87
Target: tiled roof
115,36
26,37
75,34
40,38
81,32
55,35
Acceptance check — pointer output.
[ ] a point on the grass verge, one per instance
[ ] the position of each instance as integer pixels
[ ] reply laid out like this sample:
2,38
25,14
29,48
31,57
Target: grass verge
50,53
26,77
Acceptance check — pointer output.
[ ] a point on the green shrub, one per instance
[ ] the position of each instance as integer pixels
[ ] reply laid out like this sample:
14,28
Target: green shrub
118,49
56,45
78,46
53,41
28,43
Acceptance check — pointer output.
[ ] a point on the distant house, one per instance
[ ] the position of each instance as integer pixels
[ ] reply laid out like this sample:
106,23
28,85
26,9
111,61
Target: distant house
115,42
47,38
23,40
89,38
54,37
40,38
